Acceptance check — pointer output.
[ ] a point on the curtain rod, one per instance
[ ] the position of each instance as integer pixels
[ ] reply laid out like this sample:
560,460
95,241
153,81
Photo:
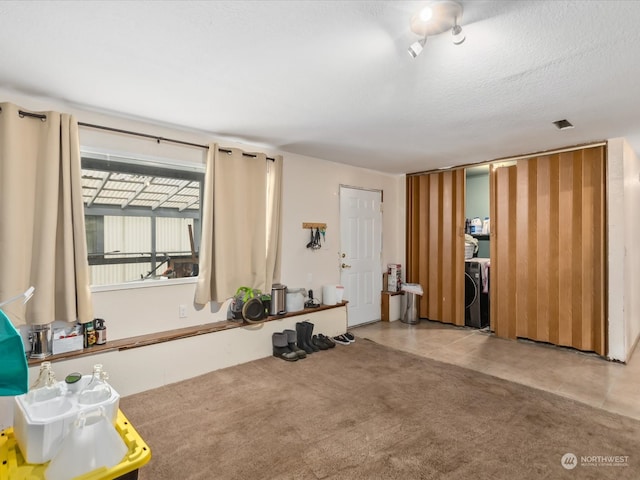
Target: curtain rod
43,117
144,135
162,139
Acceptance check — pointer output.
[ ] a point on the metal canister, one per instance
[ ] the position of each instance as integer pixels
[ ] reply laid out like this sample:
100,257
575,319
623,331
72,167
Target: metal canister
278,299
40,338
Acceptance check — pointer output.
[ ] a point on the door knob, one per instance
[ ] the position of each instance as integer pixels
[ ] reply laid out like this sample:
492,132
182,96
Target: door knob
344,265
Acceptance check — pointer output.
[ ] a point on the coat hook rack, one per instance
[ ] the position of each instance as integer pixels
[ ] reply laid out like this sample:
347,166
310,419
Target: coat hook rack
321,226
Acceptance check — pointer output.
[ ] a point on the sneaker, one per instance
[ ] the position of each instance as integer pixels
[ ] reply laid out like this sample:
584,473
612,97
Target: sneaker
327,340
317,341
350,337
342,340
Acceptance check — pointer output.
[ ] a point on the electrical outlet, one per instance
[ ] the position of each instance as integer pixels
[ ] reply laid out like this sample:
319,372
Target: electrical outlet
309,277
182,311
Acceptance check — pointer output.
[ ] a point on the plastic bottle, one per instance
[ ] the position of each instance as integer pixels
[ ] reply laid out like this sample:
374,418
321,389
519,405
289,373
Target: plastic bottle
101,331
45,387
485,226
91,441
476,226
97,390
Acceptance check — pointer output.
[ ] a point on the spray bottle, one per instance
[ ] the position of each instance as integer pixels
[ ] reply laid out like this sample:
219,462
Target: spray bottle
101,332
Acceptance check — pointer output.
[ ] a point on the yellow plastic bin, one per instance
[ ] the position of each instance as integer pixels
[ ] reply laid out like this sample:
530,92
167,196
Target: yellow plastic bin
13,466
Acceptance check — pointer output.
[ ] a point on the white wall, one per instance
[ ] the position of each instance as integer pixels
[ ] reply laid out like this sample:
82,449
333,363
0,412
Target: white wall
623,231
310,194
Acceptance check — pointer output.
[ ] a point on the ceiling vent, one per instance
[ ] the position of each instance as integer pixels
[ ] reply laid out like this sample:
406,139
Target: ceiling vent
563,124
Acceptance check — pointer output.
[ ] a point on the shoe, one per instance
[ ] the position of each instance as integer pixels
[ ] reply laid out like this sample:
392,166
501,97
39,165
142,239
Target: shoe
342,340
319,343
301,336
350,337
309,335
330,343
281,347
291,340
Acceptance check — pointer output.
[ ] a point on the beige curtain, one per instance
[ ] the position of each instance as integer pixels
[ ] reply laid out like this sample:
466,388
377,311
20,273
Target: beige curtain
206,266
237,248
274,225
42,233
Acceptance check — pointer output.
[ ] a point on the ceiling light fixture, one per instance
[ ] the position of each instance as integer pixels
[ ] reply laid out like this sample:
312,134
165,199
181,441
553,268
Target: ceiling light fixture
457,33
437,17
416,47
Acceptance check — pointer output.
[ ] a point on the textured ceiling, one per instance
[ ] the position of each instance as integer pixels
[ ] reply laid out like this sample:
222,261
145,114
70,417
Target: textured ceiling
333,79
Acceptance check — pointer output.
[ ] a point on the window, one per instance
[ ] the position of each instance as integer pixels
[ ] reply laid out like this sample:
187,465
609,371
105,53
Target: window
142,218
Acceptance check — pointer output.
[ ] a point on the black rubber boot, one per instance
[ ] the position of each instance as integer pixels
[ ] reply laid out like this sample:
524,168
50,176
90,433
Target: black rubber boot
308,338
291,339
281,347
301,335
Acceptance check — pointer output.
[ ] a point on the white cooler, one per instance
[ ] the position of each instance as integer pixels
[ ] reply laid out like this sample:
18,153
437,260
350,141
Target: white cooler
40,427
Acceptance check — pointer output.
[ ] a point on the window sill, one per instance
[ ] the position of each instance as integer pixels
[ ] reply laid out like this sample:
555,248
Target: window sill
160,337
143,284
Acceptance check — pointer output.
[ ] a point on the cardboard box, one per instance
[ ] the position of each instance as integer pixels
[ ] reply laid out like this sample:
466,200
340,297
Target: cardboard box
394,277
67,339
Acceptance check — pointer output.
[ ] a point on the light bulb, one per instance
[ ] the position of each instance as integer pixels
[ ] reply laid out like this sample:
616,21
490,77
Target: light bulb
425,14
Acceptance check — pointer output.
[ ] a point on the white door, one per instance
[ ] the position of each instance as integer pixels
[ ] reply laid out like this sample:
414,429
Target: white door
360,256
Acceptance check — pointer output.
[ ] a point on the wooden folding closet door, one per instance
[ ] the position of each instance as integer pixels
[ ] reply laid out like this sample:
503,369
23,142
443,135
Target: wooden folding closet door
435,243
548,249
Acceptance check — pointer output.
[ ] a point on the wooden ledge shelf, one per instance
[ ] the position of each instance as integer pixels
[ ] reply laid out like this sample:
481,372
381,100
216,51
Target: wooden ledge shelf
169,335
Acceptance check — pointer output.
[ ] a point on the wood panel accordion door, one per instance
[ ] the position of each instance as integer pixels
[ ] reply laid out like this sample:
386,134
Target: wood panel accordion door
548,249
435,243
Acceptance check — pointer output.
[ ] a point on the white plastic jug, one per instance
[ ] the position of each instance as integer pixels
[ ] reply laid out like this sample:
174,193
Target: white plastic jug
476,226
485,226
92,442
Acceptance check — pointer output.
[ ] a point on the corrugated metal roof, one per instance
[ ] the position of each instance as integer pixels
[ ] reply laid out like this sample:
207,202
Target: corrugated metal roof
112,188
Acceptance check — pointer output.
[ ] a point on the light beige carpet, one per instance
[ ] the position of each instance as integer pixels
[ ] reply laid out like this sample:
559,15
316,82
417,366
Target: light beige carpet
366,411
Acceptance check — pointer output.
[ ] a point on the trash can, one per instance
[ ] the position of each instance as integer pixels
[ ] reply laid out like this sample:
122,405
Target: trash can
411,315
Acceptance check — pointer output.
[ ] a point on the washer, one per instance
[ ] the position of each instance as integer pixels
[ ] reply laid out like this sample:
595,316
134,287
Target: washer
476,303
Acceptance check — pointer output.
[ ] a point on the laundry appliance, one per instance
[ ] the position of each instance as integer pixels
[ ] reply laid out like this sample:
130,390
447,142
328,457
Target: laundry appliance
476,301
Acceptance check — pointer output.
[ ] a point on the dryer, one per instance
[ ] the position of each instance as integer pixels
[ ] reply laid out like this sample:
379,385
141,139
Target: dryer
476,312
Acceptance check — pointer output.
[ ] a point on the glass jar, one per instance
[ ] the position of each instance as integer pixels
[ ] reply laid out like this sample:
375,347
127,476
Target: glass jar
97,390
45,387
